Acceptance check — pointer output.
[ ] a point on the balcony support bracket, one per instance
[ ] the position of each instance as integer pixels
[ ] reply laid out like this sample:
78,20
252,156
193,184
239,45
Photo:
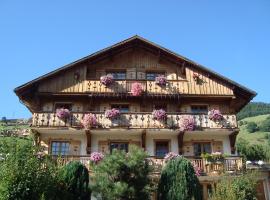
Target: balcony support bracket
180,142
88,141
232,138
144,139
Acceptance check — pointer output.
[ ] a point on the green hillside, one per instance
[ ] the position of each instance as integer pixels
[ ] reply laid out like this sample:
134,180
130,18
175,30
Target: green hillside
258,137
254,109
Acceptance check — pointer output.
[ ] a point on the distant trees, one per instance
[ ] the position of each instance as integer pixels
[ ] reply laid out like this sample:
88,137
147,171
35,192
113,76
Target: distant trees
254,109
252,127
251,152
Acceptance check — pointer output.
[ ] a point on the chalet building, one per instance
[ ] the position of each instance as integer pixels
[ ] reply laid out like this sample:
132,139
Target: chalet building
143,94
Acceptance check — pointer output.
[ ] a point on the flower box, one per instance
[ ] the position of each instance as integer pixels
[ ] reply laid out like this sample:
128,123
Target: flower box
161,80
107,80
136,89
62,113
159,115
187,123
88,121
215,115
112,114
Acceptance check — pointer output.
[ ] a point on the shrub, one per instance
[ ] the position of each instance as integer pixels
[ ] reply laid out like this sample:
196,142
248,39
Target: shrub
241,123
252,127
74,177
121,176
251,152
237,188
265,125
178,181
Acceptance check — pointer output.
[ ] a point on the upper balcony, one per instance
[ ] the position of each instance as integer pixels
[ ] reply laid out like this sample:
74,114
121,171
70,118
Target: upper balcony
138,120
173,87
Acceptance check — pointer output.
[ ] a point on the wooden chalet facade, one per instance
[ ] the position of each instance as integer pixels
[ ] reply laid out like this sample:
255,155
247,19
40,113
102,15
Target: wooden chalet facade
191,90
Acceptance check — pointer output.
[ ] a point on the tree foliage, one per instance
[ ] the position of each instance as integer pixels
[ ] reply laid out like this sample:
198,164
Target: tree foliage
122,176
236,188
252,152
252,127
254,109
178,181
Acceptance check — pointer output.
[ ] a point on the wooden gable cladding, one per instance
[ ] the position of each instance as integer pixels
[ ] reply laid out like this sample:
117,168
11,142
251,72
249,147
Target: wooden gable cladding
70,81
206,85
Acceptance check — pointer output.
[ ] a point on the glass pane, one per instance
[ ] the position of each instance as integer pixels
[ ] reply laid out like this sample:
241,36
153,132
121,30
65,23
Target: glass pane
162,148
199,109
119,146
207,148
118,75
152,75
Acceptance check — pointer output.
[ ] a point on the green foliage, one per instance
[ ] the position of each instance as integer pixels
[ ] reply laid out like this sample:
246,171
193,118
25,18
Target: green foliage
22,174
251,152
254,109
237,188
265,125
179,182
122,176
74,177
252,127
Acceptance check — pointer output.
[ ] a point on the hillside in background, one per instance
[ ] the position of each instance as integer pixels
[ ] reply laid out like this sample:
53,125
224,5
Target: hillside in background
254,109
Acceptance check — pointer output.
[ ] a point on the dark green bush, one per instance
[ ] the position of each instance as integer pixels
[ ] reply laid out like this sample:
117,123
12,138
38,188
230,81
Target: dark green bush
252,152
252,127
265,125
179,182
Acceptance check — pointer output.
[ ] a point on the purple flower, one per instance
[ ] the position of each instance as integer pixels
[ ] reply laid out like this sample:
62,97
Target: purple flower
159,115
136,89
96,157
107,79
62,113
197,169
161,80
187,123
215,115
170,156
112,114
89,120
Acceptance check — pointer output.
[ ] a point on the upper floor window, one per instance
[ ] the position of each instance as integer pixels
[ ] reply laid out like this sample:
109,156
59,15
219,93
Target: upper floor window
151,76
63,105
118,75
122,107
59,148
200,148
160,106
123,146
162,148
199,109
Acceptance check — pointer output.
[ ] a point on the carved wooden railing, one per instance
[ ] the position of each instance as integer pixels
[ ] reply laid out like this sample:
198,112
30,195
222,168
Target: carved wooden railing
149,87
131,120
232,164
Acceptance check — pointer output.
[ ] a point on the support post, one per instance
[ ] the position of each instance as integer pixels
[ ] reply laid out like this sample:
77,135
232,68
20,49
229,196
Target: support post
144,139
88,141
180,142
232,138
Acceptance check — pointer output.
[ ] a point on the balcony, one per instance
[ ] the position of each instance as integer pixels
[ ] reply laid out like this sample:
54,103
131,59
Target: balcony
231,165
138,120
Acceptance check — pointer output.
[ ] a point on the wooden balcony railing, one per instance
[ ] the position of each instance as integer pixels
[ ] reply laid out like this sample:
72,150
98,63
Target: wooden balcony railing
132,120
231,164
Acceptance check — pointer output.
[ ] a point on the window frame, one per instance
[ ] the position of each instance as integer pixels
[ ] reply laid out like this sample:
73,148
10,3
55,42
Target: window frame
119,105
156,73
119,142
160,141
60,147
202,143
200,105
112,72
67,103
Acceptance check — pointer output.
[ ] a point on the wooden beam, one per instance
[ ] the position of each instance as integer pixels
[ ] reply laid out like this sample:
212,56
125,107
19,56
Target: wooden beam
232,138
144,139
180,142
88,141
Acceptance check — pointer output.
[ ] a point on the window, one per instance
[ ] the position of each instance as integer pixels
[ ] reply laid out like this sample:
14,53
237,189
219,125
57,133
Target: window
118,74
160,106
199,109
122,107
162,148
59,148
200,148
63,105
123,146
151,76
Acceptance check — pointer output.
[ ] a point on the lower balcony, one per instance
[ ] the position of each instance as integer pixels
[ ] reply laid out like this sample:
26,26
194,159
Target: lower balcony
230,165
132,120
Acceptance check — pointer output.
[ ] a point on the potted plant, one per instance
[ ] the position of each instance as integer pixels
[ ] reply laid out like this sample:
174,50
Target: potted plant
107,80
215,115
161,80
96,157
136,89
112,114
88,121
187,123
159,115
62,113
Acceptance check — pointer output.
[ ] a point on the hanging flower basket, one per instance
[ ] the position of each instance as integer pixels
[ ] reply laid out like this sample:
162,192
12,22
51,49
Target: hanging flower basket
196,77
107,80
62,113
159,115
89,121
215,115
187,123
170,156
96,157
112,114
161,80
136,89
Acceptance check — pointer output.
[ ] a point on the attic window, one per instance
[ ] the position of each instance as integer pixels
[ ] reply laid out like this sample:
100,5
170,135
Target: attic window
118,75
63,105
199,109
151,76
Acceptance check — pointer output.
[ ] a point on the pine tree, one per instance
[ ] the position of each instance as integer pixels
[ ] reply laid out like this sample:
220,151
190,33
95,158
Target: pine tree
178,181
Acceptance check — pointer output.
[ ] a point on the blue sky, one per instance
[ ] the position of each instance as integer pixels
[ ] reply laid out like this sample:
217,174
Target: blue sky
231,37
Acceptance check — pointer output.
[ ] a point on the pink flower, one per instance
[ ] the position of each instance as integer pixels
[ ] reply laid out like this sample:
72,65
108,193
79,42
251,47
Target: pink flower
170,156
215,115
107,79
197,169
112,114
161,80
96,157
89,120
159,115
136,89
62,113
187,123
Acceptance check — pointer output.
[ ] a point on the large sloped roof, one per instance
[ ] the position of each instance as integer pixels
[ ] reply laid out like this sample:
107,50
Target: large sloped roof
135,40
